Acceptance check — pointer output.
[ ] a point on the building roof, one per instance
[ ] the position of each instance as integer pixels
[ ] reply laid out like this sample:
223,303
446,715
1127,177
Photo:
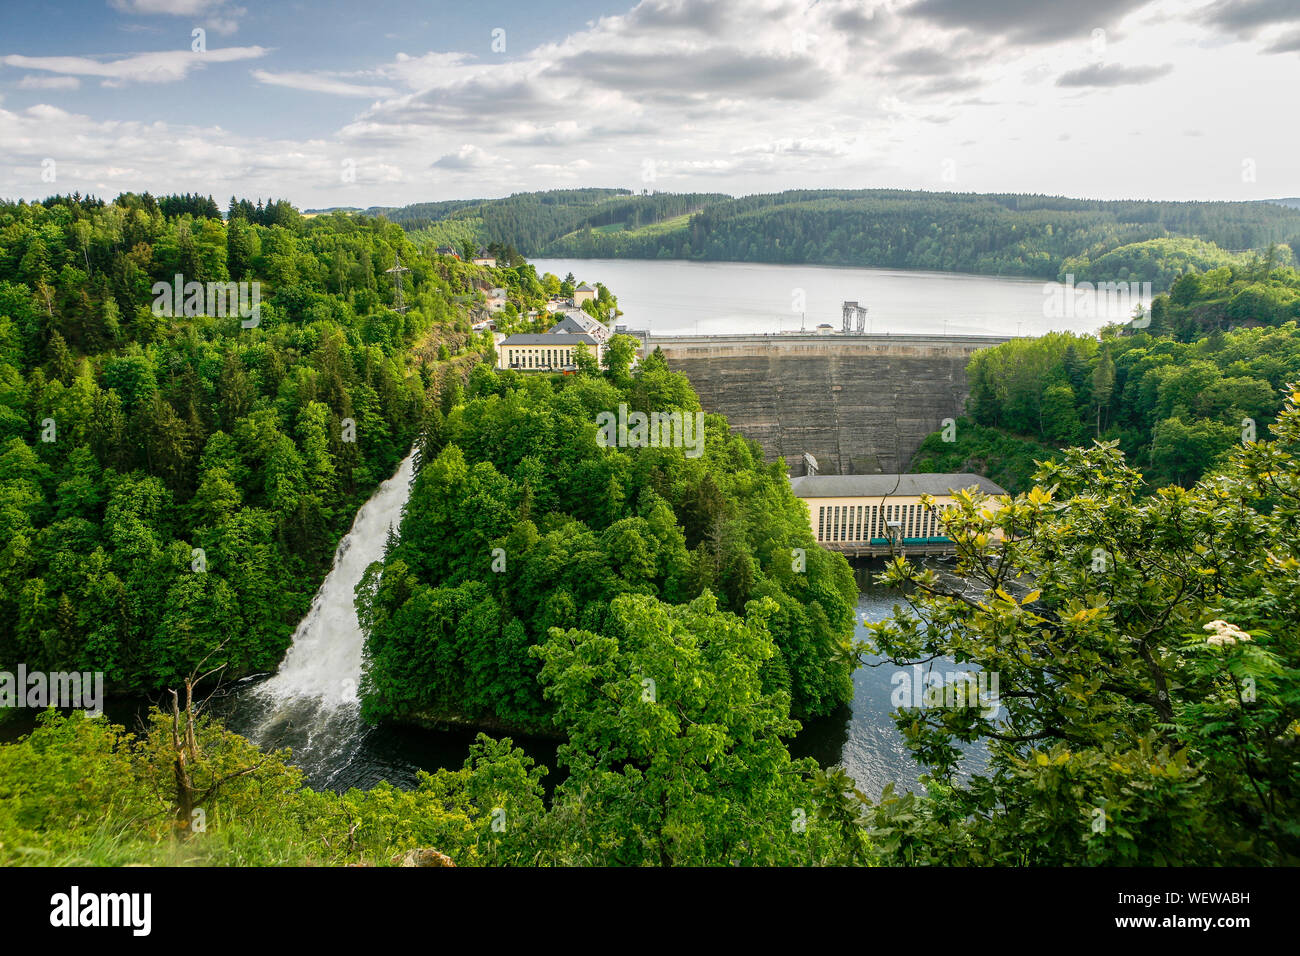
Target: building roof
877,486
548,339
578,321
584,288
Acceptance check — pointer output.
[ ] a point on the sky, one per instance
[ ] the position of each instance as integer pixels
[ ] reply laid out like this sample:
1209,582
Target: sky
388,102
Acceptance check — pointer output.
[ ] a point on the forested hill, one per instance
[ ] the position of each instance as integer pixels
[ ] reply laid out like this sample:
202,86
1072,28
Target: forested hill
518,472
531,222
169,484
1209,370
999,234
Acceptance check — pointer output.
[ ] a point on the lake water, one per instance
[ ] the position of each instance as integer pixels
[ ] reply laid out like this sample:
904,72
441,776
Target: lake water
673,297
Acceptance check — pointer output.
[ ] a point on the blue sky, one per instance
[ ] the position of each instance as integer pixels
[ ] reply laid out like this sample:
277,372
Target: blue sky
389,101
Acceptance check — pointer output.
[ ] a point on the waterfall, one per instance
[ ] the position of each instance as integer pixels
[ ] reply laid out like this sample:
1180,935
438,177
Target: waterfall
311,703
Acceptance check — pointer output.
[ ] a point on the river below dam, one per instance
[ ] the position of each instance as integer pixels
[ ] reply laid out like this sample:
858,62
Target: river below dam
311,706
311,703
337,750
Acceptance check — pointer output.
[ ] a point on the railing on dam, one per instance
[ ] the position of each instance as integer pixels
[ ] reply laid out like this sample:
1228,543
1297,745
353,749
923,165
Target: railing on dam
829,337
851,343
883,547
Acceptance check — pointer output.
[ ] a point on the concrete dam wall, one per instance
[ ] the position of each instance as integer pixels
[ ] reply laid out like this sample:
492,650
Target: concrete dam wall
859,404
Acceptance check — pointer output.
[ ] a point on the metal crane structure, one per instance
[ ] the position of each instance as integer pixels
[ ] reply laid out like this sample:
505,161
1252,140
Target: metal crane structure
855,317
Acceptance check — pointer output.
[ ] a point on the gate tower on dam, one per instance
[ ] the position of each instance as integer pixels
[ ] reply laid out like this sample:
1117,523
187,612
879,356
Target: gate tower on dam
859,404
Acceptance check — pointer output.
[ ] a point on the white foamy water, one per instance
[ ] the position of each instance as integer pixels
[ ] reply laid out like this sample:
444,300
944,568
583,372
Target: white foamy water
311,703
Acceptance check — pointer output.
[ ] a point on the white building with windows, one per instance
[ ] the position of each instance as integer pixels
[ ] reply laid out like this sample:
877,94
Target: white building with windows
864,514
545,353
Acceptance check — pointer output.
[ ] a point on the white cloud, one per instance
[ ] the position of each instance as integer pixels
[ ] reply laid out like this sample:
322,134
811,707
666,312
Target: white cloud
468,156
222,25
179,8
30,82
218,15
321,83
768,94
167,66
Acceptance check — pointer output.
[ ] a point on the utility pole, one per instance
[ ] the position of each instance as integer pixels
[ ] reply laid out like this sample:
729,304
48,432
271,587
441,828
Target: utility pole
396,271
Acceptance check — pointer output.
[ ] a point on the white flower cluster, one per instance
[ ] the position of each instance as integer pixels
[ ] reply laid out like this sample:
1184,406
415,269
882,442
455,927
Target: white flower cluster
1225,634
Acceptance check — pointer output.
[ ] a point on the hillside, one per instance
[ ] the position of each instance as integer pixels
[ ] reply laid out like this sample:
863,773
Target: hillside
174,485
997,234
531,222
1210,370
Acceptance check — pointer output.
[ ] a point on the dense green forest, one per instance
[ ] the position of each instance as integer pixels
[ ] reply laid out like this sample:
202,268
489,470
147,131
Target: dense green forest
521,522
1161,261
1148,712
1016,235
168,484
175,485
1176,394
531,221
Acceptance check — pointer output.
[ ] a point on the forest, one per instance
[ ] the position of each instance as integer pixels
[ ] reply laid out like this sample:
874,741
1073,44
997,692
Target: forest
1032,236
1148,714
531,221
1177,389
173,488
520,523
169,485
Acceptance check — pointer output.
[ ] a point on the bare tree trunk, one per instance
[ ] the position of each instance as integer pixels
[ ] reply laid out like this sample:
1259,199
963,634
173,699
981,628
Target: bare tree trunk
186,757
182,751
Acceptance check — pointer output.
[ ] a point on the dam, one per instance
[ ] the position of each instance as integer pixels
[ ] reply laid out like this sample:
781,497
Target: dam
858,403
